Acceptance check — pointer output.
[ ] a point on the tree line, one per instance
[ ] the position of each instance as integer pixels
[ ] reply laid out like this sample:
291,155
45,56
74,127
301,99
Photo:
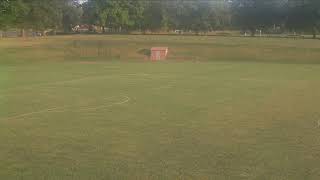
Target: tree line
272,16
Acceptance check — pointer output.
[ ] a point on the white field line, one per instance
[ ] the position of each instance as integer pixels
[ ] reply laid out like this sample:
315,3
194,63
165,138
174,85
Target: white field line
125,99
46,85
31,113
163,87
139,74
57,82
256,80
272,80
81,79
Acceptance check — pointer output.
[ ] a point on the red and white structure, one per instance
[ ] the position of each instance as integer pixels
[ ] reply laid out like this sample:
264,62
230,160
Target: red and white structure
159,53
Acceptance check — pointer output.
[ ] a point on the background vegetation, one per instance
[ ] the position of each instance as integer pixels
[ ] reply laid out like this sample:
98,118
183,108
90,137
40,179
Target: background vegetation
273,16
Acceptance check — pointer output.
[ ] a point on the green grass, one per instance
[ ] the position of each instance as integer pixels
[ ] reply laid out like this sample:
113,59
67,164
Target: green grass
219,108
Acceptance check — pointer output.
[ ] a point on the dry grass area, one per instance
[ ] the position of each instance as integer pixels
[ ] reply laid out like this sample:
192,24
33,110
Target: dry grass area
196,48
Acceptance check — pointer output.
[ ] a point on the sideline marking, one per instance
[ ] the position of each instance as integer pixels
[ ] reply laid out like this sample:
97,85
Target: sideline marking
125,99
78,80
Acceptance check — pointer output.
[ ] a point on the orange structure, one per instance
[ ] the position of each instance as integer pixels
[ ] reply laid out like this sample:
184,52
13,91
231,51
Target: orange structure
159,53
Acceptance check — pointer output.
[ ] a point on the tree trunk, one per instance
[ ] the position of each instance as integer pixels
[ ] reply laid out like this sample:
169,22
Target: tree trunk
314,32
103,29
23,33
253,32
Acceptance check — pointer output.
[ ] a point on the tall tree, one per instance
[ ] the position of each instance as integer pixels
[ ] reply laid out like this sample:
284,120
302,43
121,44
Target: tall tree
155,15
90,13
304,15
136,13
12,13
43,14
257,14
71,15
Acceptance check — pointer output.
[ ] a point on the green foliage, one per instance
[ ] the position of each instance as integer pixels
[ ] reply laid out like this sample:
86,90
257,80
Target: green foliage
44,14
38,14
304,15
258,14
115,14
12,13
71,16
195,15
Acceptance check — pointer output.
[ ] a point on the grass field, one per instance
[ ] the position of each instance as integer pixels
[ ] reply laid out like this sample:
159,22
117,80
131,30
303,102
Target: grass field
93,107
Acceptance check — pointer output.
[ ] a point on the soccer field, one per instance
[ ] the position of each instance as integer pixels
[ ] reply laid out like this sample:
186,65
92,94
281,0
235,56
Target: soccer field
94,107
